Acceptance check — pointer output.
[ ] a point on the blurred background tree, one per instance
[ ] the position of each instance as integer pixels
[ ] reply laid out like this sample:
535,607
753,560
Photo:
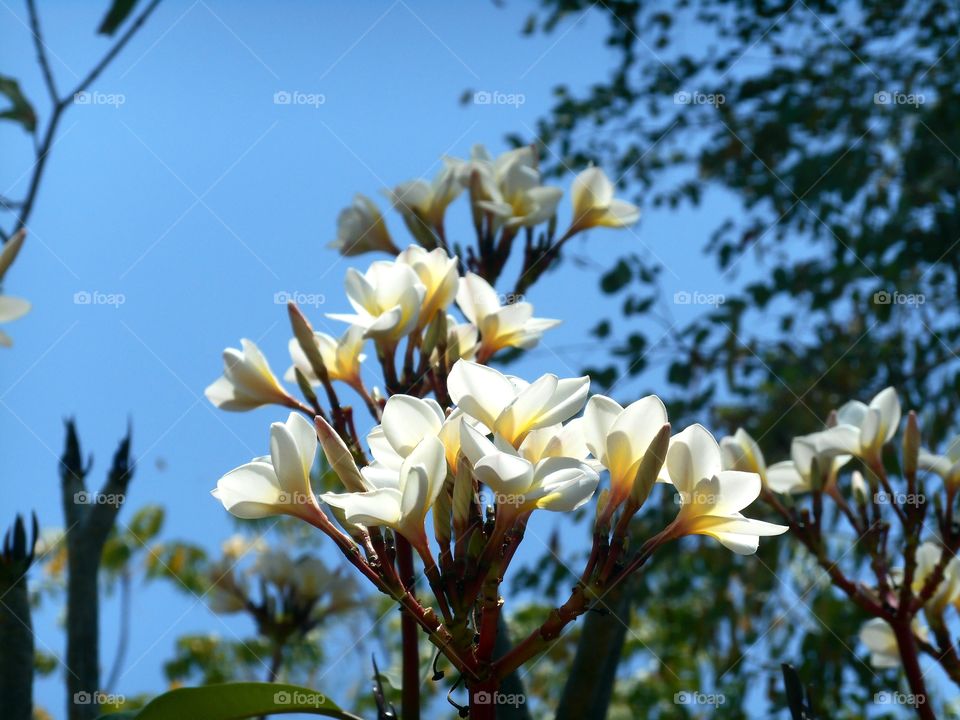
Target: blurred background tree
833,125
832,128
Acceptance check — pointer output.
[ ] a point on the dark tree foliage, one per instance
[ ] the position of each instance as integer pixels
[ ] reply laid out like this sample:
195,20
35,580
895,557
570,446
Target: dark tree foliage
835,127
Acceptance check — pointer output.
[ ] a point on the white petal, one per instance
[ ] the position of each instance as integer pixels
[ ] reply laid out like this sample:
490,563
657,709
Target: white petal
250,491
406,421
479,391
12,308
888,404
693,456
598,418
567,400
378,507
783,477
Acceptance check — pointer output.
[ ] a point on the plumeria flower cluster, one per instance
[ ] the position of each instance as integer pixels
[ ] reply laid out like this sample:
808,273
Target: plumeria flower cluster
904,529
461,455
286,596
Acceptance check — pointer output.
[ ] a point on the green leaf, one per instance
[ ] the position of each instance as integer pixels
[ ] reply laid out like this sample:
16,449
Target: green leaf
616,279
21,110
119,11
234,701
146,523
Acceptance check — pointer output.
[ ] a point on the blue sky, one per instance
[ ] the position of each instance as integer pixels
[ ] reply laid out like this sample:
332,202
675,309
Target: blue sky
197,199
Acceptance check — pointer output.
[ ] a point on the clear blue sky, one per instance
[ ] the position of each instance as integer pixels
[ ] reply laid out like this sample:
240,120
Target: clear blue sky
198,199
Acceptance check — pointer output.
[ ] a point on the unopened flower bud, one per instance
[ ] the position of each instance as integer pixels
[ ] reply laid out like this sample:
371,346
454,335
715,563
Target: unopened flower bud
339,457
463,492
650,466
911,445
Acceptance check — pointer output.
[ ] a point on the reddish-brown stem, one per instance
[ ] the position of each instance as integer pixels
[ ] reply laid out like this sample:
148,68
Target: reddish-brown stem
911,667
410,699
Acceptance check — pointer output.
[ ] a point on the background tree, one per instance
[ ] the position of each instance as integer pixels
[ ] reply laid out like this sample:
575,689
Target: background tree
833,126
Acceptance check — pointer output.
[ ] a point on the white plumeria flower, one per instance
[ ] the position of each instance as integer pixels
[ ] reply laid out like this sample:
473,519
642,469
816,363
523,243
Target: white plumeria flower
500,326
511,407
491,172
227,593
450,433
426,202
948,591
516,197
399,501
11,308
594,204
711,498
560,484
278,484
619,437
247,381
741,452
361,229
341,357
862,430
386,298
880,640
560,440
405,422
439,275
796,475
236,546
274,566
311,578
947,466
462,342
